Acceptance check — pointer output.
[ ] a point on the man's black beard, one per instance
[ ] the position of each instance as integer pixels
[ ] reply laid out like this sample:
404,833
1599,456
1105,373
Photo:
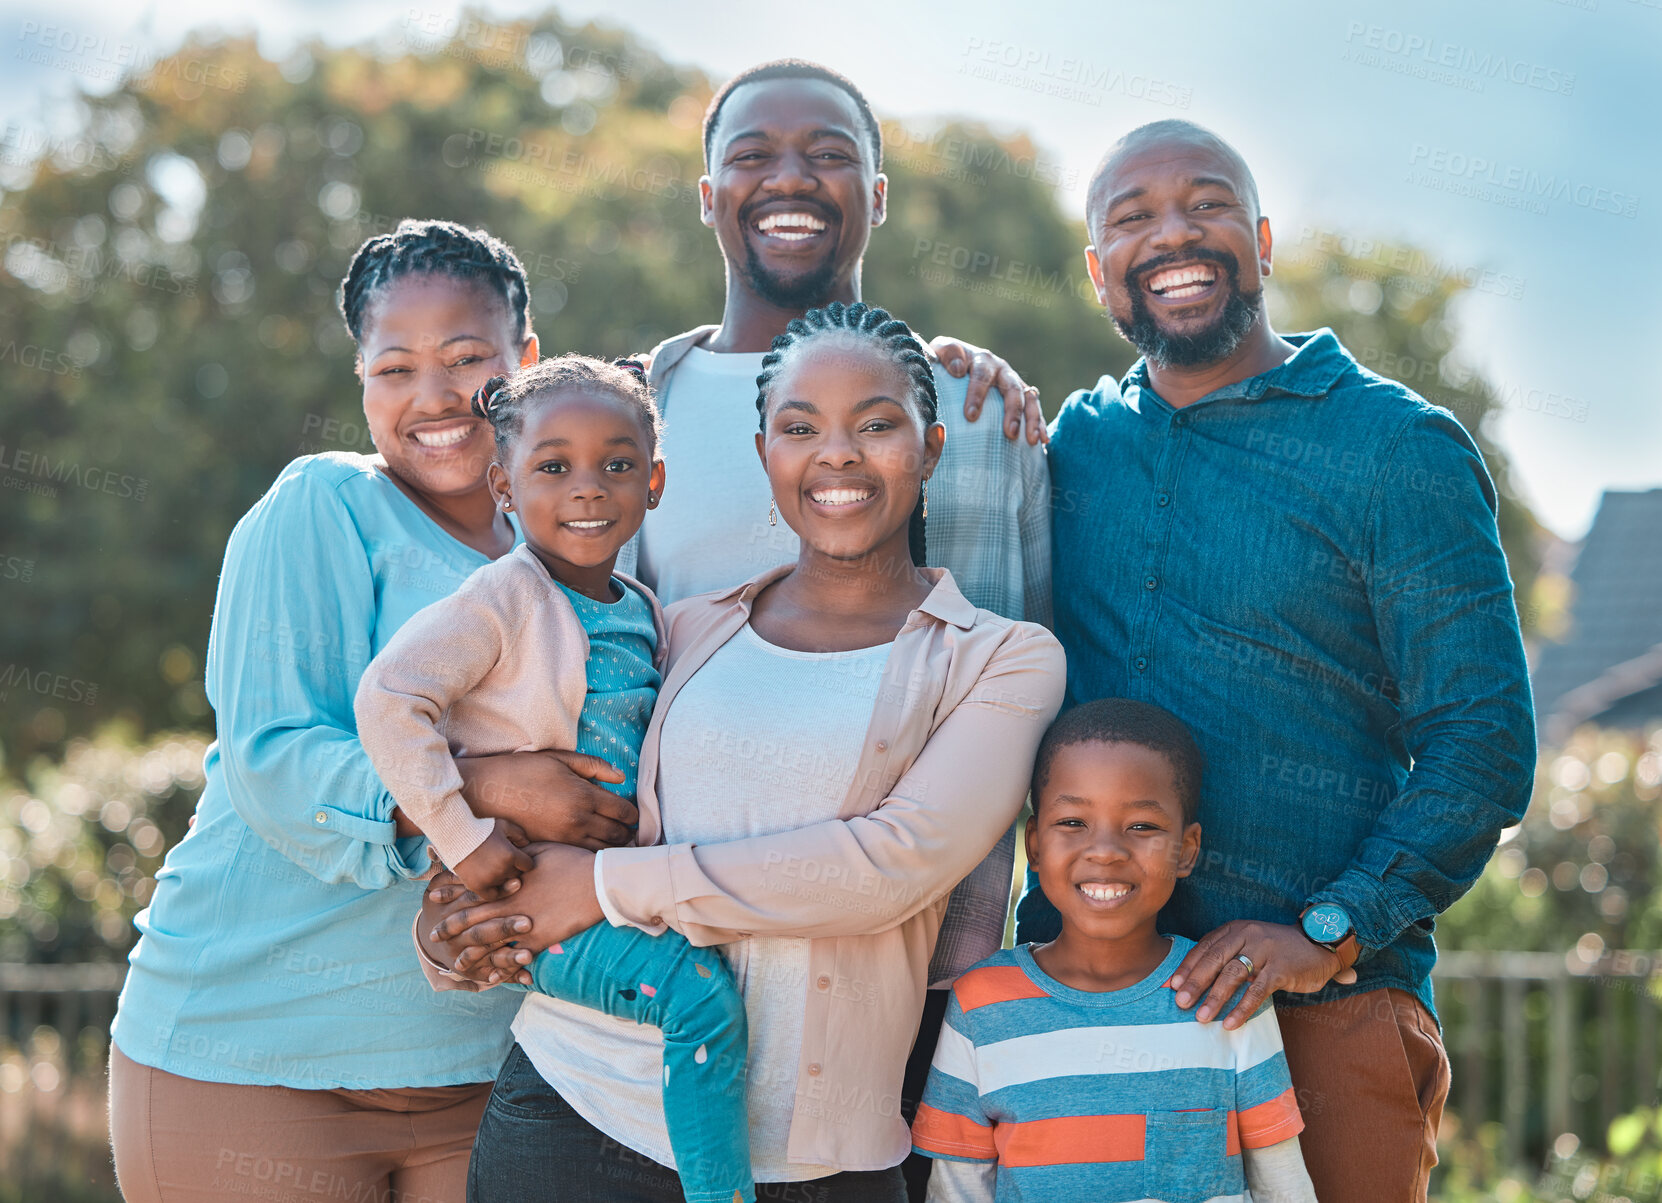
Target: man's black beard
798,292
1201,347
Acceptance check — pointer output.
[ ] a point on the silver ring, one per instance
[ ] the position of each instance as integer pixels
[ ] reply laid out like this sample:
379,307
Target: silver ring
1252,970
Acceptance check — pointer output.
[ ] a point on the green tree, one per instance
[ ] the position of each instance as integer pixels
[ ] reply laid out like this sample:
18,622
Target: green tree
169,275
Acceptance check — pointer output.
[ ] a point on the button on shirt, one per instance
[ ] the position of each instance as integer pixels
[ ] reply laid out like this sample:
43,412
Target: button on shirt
1303,566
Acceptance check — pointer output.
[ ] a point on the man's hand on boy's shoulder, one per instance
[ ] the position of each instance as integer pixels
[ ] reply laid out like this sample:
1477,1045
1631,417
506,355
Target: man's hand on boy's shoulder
986,372
1282,957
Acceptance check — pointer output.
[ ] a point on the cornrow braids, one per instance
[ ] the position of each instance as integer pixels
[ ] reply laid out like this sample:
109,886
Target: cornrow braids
882,330
439,248
502,400
794,68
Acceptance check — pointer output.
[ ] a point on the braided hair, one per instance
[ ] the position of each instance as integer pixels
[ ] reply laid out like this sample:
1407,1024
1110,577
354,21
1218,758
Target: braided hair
438,248
883,331
502,400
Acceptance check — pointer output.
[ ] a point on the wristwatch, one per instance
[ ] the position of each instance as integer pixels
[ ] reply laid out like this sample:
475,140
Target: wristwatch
1328,924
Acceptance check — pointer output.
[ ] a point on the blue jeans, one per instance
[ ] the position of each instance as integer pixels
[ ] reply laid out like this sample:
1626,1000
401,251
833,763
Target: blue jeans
533,1148
689,994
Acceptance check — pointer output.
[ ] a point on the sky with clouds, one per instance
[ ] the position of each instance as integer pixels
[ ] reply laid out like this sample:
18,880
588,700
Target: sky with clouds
1514,140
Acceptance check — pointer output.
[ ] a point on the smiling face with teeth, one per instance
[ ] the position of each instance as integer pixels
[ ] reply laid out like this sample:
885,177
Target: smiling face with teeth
845,448
1179,250
429,342
581,473
793,192
1108,842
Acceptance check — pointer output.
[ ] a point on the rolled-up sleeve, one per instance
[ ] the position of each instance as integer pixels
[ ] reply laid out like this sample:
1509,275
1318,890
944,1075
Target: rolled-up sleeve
292,632
870,873
1448,629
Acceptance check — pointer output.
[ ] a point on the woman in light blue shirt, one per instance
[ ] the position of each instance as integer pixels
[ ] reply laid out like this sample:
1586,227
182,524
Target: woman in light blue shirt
275,1033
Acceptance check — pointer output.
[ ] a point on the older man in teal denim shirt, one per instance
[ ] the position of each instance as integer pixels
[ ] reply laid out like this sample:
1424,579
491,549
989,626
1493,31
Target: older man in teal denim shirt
1300,559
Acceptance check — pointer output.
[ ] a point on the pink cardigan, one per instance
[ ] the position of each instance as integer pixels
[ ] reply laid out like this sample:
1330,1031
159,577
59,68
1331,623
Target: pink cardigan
964,700
497,666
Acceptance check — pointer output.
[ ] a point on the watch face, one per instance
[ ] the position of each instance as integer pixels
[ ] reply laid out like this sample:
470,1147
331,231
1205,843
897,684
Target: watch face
1326,923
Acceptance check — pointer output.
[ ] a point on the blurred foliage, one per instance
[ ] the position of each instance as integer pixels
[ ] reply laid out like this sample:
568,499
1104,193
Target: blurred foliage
171,340
81,840
1583,871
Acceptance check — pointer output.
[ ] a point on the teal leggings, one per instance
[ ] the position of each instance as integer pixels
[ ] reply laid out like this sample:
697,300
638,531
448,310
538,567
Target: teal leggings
689,994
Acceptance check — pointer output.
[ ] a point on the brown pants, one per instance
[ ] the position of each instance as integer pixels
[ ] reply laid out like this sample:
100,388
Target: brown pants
177,1140
1370,1075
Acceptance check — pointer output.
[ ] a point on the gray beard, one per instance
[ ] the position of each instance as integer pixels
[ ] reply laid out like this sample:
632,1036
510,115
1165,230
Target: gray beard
1216,342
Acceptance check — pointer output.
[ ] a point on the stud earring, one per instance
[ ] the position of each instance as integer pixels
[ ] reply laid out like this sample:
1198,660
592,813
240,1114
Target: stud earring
925,513
773,512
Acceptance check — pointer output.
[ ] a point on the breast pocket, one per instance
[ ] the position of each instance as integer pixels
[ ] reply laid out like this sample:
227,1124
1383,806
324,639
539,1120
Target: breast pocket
1186,1157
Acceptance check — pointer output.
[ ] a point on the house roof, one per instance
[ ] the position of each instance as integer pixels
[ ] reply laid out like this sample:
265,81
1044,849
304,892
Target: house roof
1609,666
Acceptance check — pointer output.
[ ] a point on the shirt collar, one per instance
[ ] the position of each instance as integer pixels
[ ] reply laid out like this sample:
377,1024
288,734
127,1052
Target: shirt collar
1317,361
945,601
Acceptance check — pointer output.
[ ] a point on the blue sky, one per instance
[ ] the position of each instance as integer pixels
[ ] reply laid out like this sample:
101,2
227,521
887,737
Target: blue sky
1516,141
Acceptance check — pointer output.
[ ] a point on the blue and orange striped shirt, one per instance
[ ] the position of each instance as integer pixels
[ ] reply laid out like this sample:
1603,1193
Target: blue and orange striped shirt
1115,1096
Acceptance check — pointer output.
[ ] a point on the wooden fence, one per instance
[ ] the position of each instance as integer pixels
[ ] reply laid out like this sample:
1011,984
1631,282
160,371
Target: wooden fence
1540,1045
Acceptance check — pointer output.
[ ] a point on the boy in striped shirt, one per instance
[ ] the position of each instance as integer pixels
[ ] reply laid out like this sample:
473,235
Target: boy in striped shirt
1066,1070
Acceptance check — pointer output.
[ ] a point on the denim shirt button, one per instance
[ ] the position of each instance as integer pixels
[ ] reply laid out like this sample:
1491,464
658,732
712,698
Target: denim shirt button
1151,582
1181,419
1142,664
1162,499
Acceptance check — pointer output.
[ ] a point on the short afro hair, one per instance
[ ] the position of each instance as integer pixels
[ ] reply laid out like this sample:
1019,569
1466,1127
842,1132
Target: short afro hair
793,68
1124,721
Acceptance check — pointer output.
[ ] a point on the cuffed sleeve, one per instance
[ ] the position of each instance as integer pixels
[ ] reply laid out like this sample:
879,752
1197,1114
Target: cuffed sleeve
1276,1173
1448,629
293,625
870,873
952,1181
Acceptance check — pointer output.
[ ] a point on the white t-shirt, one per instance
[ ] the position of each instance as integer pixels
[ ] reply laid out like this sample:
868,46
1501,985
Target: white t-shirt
760,740
711,529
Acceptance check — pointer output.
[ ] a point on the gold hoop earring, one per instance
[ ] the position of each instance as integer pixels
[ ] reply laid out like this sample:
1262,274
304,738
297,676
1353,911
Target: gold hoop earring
773,512
925,513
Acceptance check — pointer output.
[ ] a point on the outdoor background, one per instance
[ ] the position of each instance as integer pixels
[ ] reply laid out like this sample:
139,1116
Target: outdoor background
1472,207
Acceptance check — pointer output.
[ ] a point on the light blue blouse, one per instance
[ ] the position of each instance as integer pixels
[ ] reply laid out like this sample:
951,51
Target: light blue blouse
276,949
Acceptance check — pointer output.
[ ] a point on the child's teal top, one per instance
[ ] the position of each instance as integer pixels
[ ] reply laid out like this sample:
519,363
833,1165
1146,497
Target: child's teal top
276,949
623,684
